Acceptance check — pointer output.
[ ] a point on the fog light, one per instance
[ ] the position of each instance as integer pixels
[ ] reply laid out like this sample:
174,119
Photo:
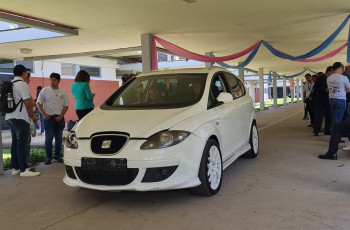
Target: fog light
158,174
164,171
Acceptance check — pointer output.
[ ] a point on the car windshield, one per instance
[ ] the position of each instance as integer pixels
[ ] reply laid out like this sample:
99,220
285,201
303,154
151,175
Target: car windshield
159,91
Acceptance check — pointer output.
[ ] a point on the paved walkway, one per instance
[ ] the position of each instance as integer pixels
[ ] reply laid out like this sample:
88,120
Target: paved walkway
286,187
37,142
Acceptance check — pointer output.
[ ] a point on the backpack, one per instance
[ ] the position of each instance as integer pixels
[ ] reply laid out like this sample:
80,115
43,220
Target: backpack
7,103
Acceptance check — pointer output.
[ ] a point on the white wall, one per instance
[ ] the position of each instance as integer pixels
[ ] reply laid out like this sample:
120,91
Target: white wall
107,67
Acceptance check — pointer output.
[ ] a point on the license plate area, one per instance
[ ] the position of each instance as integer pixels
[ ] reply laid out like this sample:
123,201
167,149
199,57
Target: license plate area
104,163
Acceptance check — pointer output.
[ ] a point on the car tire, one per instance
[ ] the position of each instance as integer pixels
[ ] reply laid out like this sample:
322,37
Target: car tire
210,170
253,142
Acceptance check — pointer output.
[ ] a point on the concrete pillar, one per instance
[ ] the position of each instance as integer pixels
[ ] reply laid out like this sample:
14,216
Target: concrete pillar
241,73
252,90
146,47
284,91
298,89
292,94
261,89
208,64
274,91
302,90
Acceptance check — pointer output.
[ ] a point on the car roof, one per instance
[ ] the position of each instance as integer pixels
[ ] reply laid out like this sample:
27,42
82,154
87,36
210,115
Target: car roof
185,70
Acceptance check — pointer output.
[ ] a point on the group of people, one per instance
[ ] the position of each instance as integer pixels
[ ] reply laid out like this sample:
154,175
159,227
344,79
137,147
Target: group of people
327,96
52,103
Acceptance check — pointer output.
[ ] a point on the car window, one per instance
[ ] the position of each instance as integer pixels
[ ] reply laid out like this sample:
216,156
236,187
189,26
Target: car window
235,85
216,87
159,91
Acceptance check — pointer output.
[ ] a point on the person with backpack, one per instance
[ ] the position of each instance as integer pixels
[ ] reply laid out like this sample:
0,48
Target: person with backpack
19,102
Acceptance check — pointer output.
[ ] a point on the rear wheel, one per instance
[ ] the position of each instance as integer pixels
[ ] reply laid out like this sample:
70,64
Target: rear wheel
254,143
210,170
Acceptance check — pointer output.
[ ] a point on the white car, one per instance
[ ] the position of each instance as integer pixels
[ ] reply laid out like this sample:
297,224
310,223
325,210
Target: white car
164,130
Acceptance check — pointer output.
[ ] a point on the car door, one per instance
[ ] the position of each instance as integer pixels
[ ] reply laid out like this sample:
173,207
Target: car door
228,124
243,105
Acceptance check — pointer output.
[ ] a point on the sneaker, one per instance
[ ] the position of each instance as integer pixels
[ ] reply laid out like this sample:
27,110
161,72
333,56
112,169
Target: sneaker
15,172
347,148
57,160
47,162
29,172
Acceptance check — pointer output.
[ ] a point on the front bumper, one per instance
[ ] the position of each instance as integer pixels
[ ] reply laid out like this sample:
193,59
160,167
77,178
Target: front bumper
174,167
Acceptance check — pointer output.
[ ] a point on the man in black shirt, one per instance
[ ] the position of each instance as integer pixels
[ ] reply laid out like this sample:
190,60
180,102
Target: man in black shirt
320,99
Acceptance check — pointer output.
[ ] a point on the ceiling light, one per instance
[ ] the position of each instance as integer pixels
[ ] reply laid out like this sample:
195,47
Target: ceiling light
189,1
25,50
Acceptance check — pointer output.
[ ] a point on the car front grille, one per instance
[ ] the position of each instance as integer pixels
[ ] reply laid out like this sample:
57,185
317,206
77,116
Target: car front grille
108,177
108,143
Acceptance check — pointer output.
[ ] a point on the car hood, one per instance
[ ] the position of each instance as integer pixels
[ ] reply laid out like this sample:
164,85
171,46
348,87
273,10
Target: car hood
138,123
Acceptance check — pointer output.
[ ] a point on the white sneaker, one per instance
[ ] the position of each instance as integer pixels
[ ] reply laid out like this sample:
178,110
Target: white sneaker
29,172
15,172
347,148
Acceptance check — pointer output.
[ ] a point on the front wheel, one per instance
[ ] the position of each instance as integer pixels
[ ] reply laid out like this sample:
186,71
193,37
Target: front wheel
253,142
210,170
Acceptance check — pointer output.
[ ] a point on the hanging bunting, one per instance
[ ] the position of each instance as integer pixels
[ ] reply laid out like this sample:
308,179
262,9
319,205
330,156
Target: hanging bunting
198,57
313,52
253,50
243,64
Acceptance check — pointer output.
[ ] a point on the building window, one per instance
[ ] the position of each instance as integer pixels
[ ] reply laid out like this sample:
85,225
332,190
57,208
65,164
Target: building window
162,57
68,69
27,64
6,66
93,71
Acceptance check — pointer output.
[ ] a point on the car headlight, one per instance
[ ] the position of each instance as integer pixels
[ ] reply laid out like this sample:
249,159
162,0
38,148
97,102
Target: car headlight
165,139
72,140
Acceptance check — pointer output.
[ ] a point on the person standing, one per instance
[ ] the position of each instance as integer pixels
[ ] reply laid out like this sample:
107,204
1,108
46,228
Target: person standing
307,90
338,85
30,163
19,122
82,94
41,129
319,97
341,129
53,103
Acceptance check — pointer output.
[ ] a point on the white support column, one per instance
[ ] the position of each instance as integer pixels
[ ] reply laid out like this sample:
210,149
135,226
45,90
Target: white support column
241,73
284,91
298,89
252,90
146,47
292,94
208,64
261,89
302,90
274,91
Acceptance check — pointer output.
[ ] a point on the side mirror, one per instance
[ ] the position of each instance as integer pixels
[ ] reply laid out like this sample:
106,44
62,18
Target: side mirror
225,97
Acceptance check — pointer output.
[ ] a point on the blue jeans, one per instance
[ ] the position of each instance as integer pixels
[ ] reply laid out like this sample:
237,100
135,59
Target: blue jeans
338,107
20,135
41,121
53,128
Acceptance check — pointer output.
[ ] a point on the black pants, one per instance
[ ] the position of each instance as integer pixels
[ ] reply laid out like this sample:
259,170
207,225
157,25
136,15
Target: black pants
82,112
309,108
341,129
321,112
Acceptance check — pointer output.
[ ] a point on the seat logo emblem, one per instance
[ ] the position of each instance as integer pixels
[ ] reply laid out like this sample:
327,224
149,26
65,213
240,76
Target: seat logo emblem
106,144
